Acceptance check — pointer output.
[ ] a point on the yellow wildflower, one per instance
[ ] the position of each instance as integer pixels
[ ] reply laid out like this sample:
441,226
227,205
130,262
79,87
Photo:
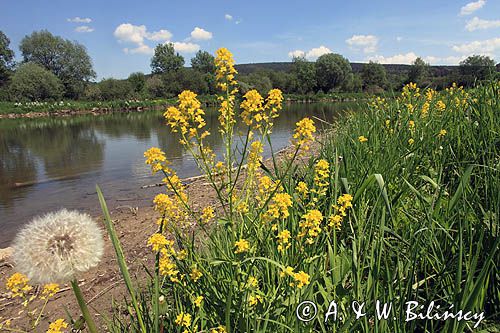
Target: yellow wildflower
208,214
196,274
287,271
303,134
362,139
301,278
157,241
50,290
302,189
440,105
310,225
442,133
254,156
241,246
252,282
197,301
18,284
57,326
253,300
220,329
335,221
411,141
183,319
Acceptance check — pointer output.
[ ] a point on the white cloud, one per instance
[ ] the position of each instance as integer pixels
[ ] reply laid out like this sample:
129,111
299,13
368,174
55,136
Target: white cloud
488,46
407,58
399,38
136,34
312,54
186,47
141,49
159,36
201,34
84,28
476,24
296,54
127,32
368,43
451,60
317,52
79,20
228,17
471,7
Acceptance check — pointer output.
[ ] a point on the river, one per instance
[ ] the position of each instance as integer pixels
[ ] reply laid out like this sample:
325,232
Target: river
51,163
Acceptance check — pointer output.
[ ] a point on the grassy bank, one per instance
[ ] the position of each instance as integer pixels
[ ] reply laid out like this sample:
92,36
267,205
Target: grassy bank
48,108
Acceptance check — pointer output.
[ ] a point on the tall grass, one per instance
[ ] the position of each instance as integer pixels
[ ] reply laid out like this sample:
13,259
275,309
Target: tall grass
414,185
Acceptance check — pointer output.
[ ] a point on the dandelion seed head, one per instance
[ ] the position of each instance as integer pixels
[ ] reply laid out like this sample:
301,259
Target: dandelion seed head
58,246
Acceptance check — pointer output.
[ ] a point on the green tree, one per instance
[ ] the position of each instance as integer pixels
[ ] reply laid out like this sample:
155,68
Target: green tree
112,89
258,81
305,73
419,72
138,81
477,67
32,82
6,58
331,71
175,82
373,75
203,62
155,87
68,60
166,59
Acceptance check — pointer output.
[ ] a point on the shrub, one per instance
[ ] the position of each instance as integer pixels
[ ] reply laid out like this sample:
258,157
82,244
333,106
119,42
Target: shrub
32,82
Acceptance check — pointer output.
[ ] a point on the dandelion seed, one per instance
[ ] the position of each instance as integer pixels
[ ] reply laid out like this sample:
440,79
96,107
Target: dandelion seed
58,246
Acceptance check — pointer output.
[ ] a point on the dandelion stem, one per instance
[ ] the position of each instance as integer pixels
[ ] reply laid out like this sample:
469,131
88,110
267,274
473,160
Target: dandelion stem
83,307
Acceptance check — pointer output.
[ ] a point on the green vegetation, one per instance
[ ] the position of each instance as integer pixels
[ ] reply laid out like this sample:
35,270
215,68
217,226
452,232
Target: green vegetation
329,74
400,204
32,82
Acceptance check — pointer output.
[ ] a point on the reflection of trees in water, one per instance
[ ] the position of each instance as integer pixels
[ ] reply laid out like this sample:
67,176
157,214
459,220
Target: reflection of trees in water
16,165
138,125
66,150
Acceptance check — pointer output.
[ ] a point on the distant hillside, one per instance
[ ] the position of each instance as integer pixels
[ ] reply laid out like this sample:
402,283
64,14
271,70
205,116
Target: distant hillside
356,67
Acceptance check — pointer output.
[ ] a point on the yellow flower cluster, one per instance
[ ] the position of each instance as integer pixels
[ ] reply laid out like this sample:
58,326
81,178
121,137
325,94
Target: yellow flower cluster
57,326
254,300
362,139
50,290
156,158
284,240
195,274
442,133
344,202
224,75
157,242
310,225
303,135
167,266
258,115
321,177
255,156
241,246
187,118
18,285
278,207
302,190
220,329
301,278
183,319
197,301
207,215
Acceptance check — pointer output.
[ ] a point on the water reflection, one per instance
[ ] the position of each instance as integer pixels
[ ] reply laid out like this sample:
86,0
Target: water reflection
49,163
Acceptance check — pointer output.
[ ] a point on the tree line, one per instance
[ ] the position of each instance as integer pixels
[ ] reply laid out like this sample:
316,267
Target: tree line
54,68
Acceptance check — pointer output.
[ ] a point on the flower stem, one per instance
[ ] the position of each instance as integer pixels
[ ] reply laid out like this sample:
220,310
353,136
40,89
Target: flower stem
83,307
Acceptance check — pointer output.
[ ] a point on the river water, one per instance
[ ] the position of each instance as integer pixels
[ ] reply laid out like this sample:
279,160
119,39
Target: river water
51,163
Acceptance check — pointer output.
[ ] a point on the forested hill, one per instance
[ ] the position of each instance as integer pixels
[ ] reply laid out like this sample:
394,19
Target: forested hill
356,67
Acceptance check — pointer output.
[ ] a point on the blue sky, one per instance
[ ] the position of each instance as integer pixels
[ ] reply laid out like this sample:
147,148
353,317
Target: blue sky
120,35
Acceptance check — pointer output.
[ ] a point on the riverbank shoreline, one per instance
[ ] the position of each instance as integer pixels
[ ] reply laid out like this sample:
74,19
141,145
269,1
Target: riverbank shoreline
97,111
